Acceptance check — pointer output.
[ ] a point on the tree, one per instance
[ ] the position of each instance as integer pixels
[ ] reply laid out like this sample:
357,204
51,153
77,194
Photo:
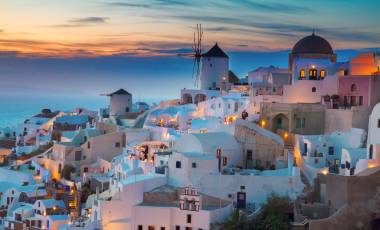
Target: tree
237,220
275,214
66,171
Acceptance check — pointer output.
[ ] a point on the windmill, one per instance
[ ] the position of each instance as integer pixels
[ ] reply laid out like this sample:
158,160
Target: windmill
197,54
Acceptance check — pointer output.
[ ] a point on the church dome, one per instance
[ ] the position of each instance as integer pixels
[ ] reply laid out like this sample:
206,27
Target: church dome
312,44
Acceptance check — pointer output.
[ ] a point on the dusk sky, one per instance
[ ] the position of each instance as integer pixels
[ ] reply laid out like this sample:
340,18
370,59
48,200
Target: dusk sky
94,46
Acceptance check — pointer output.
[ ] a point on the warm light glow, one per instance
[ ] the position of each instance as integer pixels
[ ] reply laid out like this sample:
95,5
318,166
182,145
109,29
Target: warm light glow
372,165
325,172
286,135
313,66
263,123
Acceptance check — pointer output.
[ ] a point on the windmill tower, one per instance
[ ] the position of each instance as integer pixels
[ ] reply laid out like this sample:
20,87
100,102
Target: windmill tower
215,66
210,68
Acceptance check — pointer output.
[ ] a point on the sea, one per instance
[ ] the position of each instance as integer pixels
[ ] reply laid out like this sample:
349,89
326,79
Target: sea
16,108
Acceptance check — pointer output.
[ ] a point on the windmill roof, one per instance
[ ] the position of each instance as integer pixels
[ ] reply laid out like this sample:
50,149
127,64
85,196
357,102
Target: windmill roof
215,51
119,92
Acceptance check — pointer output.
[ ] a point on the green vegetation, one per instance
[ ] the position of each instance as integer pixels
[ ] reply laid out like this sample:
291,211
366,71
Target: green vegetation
275,214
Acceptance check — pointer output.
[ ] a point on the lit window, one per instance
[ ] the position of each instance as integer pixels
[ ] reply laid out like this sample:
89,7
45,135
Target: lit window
322,74
312,73
302,73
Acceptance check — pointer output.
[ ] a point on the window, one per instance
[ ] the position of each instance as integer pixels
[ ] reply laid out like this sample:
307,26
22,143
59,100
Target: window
85,169
313,73
316,161
150,227
313,89
162,228
177,227
117,145
378,123
353,88
331,150
188,219
348,165
360,100
219,105
127,109
322,73
194,165
78,155
47,224
249,154
229,106
353,100
370,152
140,227
88,145
178,164
224,161
302,73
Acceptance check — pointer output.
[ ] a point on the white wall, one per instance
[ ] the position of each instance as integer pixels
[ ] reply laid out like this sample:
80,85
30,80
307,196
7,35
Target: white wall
213,70
119,103
258,188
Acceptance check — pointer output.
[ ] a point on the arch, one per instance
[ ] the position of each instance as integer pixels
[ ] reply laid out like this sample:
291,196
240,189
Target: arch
302,73
187,98
280,121
313,73
322,73
199,98
353,87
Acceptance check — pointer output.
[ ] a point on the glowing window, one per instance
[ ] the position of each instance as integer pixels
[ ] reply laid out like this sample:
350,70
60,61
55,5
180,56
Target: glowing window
312,73
302,73
322,74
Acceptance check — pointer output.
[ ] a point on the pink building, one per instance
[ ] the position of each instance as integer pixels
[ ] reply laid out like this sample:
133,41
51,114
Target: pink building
358,90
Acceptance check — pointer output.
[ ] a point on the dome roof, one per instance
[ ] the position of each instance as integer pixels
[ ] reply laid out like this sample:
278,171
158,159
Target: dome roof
312,44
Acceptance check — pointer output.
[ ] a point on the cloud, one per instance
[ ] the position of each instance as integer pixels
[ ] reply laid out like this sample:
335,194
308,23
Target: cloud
81,22
151,3
89,20
274,7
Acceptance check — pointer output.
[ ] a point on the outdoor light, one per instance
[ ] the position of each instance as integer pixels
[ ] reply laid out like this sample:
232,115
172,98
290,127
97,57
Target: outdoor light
286,135
263,123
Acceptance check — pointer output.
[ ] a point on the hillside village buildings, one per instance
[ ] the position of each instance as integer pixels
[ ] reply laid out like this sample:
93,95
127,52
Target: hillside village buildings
299,132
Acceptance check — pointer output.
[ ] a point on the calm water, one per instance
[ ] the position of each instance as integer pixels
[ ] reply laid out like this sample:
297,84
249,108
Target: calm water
15,109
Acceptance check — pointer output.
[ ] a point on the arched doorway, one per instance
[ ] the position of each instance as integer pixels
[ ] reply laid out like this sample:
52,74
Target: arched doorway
199,98
187,98
280,121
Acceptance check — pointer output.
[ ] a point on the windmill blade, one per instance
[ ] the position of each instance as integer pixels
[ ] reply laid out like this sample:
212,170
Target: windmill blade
186,55
194,66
